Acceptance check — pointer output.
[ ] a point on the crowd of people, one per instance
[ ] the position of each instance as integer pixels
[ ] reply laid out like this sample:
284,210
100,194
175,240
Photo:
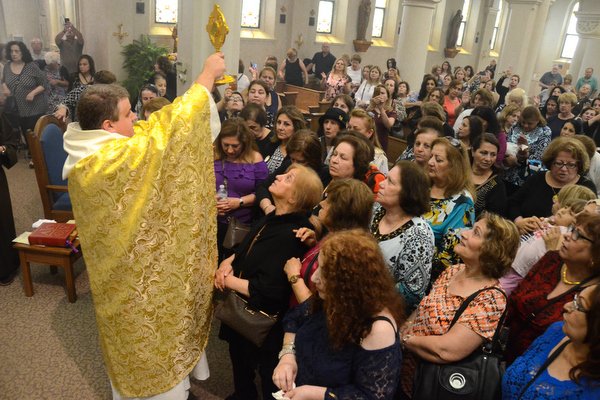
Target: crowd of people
495,188
366,260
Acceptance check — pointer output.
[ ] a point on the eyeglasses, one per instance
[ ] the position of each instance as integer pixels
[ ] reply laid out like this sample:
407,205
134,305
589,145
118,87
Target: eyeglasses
576,235
236,99
577,305
454,142
559,165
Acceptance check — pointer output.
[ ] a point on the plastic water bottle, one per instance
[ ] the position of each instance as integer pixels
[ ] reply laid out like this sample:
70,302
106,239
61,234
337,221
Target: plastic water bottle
221,193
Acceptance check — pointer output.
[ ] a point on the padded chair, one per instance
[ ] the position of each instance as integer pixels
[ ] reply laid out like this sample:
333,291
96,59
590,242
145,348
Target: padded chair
48,155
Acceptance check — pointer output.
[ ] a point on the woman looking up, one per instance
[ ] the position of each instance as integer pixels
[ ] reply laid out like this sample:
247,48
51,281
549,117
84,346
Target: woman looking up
343,342
262,281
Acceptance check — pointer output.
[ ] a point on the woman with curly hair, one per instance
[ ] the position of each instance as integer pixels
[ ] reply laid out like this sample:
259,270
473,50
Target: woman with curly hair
487,251
164,67
343,342
574,373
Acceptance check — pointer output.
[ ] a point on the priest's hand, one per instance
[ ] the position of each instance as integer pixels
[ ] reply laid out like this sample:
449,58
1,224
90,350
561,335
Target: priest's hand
214,68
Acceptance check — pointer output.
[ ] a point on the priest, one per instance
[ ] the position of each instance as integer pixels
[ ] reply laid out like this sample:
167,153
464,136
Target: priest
144,201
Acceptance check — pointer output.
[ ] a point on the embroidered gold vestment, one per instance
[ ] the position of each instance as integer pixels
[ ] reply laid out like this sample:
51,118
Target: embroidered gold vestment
145,209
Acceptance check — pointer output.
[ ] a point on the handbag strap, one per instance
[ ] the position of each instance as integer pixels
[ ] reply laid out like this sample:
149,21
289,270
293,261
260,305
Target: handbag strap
545,365
489,346
309,268
537,312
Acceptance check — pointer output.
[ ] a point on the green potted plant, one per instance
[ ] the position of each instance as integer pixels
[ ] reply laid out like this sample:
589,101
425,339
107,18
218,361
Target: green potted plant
140,57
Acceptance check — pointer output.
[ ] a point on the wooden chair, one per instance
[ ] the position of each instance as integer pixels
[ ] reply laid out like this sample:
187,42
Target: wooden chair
48,155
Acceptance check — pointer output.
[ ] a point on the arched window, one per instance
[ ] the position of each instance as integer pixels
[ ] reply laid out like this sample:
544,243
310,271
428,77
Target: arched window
463,24
497,26
166,12
325,16
251,13
379,18
571,37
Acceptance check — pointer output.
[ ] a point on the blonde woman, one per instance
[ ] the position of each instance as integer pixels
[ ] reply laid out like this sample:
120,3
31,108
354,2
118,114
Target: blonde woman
337,82
294,69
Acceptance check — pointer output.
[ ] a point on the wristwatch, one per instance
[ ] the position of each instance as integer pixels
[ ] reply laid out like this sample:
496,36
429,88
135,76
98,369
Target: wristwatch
241,202
294,279
3,150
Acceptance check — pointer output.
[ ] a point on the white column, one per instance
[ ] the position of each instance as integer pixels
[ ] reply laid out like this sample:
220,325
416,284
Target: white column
488,31
522,23
194,45
534,47
588,48
411,53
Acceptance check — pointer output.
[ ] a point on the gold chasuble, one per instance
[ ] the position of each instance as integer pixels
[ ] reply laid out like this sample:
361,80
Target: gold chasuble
146,214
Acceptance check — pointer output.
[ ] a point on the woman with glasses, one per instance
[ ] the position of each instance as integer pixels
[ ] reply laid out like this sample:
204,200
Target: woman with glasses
568,352
539,299
566,160
452,193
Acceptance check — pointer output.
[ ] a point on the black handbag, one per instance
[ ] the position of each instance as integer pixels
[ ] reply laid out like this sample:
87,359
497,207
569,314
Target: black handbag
10,106
476,377
246,320
236,232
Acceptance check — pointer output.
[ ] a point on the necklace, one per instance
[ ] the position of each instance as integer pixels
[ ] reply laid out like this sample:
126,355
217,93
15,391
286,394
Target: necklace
399,223
463,279
564,277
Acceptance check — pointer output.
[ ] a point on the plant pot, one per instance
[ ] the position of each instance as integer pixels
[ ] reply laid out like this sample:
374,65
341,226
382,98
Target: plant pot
451,53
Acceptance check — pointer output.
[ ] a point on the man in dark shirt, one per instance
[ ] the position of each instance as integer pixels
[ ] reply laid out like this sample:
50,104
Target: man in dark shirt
323,61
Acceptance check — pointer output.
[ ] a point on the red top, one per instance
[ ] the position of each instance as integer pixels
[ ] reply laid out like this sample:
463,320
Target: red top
311,254
530,295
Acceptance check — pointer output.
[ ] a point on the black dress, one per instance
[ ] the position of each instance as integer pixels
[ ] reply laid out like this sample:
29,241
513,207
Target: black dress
293,73
9,257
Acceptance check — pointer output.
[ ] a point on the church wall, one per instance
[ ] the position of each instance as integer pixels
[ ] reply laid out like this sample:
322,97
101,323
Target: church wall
552,39
21,18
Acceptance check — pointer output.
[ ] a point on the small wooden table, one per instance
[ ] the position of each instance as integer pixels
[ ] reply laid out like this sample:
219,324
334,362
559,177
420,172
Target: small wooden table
55,257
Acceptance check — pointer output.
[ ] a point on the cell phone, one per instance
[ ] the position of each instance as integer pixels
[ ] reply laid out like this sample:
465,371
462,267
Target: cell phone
67,20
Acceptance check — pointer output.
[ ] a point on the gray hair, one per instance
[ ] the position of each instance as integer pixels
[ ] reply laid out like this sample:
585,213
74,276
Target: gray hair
52,58
36,39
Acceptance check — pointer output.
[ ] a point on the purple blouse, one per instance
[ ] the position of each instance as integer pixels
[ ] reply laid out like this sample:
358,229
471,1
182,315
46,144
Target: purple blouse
242,179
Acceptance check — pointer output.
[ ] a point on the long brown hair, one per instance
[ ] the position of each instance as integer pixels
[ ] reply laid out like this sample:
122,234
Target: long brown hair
358,285
236,127
459,176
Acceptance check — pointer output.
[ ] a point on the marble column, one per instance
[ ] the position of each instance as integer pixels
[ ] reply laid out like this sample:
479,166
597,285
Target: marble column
518,44
411,53
588,28
194,45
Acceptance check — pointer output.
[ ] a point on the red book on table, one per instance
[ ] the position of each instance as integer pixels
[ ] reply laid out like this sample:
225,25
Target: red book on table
53,234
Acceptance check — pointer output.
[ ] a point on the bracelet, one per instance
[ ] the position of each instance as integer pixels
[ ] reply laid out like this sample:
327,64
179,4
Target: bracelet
404,341
288,350
289,344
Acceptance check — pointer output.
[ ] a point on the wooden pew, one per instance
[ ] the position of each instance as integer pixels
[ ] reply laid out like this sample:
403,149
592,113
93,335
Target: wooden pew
395,148
300,97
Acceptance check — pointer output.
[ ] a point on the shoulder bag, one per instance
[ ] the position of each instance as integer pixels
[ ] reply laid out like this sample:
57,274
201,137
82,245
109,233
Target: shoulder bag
236,230
476,377
248,321
10,105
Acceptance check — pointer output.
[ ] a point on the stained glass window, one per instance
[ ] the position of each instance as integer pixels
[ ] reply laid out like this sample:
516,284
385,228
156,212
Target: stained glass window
251,13
463,23
325,16
166,11
378,18
571,38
